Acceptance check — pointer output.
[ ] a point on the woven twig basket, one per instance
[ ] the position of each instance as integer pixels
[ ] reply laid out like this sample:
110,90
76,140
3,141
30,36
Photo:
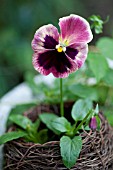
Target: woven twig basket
96,154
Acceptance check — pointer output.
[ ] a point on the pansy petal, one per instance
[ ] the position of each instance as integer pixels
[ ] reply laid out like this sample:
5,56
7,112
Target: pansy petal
38,62
64,65
66,70
46,37
74,29
78,53
71,52
54,62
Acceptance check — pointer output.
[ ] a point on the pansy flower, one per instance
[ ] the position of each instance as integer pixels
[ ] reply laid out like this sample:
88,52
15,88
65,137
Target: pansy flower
61,53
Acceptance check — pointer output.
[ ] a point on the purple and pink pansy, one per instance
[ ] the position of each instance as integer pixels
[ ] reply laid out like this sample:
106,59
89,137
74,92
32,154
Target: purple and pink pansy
61,53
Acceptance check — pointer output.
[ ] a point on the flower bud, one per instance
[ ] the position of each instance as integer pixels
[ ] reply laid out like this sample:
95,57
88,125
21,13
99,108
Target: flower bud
93,123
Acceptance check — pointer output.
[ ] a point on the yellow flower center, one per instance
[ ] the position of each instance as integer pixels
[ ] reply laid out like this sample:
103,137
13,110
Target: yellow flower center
59,49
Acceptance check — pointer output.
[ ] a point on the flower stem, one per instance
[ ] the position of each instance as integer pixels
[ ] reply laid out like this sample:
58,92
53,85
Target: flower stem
79,126
61,99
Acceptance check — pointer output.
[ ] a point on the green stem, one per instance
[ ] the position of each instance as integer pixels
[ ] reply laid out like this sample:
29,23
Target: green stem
75,125
81,123
61,99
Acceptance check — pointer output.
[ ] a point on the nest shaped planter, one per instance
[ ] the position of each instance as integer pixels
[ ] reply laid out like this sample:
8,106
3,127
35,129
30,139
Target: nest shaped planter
96,153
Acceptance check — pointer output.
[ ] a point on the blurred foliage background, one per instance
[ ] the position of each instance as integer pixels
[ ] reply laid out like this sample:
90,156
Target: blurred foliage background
19,21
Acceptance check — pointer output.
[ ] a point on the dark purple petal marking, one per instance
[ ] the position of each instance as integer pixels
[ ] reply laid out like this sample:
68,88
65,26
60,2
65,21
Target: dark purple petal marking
62,63
80,51
71,52
50,42
45,60
54,59
45,36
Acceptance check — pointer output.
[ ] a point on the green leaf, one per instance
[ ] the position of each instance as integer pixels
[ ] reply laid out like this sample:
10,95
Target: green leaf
47,119
61,124
11,136
97,23
70,150
21,121
87,128
98,122
85,120
108,79
98,65
108,112
105,45
36,124
81,108
102,91
96,111
43,136
20,108
98,29
84,91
